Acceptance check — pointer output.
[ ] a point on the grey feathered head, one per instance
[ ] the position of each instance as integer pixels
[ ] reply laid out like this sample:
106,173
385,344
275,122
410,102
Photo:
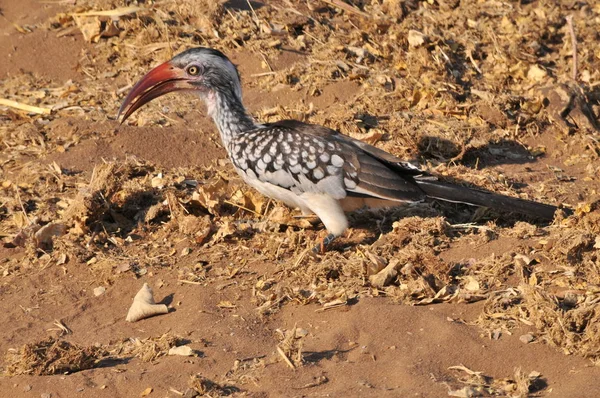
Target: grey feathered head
204,70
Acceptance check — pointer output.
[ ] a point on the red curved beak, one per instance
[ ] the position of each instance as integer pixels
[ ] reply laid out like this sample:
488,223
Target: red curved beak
161,80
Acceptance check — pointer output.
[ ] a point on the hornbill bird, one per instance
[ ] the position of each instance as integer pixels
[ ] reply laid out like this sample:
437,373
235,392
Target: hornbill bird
306,166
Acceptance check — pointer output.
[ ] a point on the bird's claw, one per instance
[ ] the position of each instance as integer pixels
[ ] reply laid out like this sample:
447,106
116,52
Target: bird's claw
321,247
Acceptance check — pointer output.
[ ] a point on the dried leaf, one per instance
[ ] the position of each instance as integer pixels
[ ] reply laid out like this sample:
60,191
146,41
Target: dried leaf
90,28
536,74
385,276
226,304
211,195
471,284
117,12
25,107
415,38
373,136
43,237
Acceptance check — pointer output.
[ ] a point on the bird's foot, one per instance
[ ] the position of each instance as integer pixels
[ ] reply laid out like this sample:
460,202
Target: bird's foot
321,247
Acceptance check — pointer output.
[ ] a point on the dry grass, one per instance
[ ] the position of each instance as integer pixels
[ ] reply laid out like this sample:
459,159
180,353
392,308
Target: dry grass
147,350
52,356
476,384
57,356
208,388
471,86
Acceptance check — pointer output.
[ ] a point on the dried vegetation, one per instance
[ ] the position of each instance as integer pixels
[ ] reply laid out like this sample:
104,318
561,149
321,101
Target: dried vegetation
52,356
56,355
476,384
458,86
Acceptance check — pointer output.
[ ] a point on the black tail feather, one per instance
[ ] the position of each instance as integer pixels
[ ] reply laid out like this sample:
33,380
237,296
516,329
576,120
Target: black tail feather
460,194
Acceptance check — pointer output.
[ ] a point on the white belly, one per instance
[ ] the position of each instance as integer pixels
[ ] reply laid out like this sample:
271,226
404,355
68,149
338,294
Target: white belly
328,209
275,192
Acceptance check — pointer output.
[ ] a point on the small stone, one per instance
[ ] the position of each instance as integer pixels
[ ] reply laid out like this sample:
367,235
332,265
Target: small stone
527,338
182,350
99,291
536,73
123,268
157,182
534,375
46,395
186,251
27,388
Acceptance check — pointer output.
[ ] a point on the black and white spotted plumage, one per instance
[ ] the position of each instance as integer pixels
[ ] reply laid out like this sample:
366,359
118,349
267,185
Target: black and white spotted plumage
309,158
307,166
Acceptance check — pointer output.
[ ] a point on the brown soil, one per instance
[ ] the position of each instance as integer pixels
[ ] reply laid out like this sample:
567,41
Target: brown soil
469,89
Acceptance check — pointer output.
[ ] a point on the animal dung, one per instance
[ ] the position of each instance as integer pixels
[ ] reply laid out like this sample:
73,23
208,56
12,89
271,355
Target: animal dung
144,306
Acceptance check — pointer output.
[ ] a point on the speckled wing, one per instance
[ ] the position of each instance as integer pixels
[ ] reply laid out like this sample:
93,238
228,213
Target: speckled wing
292,158
308,158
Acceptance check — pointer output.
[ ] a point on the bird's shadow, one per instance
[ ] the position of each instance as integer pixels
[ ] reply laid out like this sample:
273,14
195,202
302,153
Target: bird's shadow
243,5
475,157
440,150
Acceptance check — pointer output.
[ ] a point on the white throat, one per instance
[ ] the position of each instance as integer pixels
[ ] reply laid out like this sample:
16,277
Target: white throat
228,113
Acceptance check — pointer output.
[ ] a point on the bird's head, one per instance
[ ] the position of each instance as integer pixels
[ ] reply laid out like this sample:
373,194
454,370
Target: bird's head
202,70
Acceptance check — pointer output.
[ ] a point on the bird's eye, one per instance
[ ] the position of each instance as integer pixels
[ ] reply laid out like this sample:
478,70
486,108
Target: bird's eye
193,70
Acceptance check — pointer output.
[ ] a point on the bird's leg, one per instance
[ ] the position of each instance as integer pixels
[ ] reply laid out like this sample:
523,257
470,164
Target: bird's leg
321,247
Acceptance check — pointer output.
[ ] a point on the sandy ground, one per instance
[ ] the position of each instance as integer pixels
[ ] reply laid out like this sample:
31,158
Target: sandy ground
471,284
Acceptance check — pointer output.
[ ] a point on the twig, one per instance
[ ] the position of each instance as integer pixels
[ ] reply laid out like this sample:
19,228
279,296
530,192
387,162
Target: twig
256,20
437,123
123,89
315,38
495,41
469,225
264,57
346,7
117,12
319,381
301,257
241,207
189,282
64,328
285,358
263,74
25,107
569,19
470,55
21,204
